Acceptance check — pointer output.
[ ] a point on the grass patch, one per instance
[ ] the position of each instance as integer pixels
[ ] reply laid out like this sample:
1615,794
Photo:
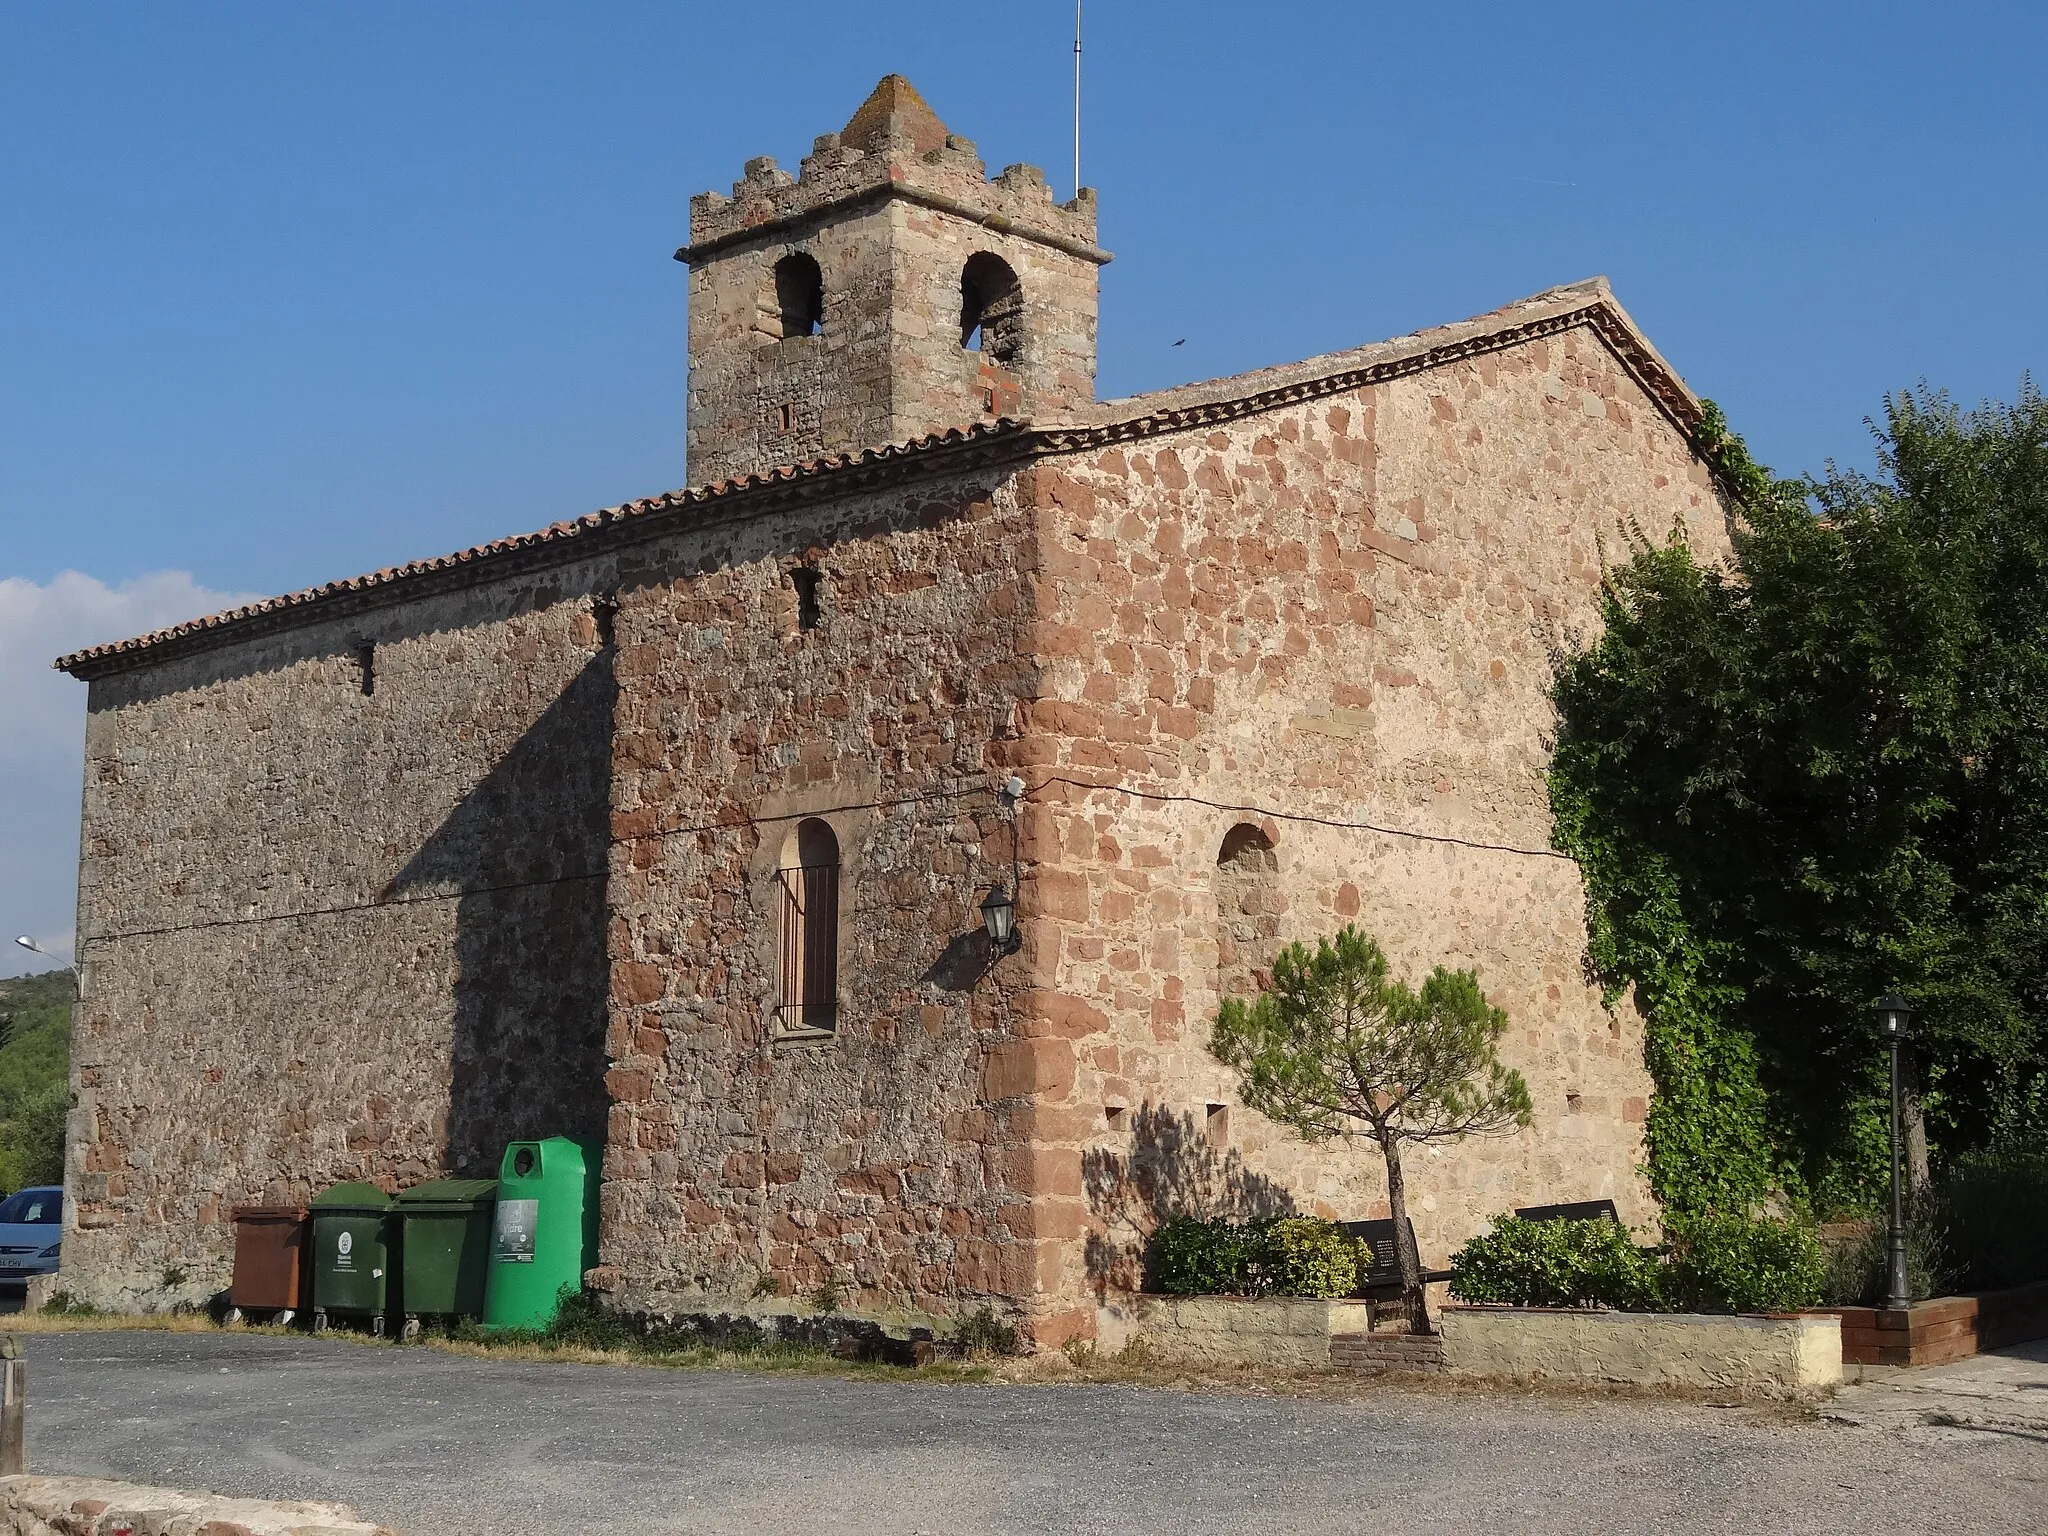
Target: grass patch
89,1320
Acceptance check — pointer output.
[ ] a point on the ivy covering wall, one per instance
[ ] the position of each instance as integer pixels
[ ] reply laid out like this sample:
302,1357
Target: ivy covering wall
1800,783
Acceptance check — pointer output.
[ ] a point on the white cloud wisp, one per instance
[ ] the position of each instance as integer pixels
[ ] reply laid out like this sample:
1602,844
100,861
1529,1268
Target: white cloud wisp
42,736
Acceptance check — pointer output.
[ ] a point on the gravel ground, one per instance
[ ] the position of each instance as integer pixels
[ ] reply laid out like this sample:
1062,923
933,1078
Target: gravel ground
442,1445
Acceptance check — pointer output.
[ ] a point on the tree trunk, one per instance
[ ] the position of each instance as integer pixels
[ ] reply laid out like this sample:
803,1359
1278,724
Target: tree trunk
1913,1122
1405,1256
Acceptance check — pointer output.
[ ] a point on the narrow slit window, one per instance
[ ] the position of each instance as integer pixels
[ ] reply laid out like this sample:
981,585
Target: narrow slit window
809,886
366,665
810,610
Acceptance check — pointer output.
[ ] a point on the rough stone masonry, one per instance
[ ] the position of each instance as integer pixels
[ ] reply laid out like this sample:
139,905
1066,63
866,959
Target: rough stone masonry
671,823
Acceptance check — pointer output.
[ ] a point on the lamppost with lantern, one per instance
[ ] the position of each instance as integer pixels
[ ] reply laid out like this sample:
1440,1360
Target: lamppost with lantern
1895,1016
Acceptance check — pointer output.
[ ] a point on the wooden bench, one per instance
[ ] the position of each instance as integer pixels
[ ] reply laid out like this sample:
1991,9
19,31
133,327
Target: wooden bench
1383,1280
1577,1210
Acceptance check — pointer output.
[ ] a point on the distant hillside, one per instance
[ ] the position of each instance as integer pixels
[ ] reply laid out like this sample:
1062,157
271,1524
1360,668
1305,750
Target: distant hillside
35,1058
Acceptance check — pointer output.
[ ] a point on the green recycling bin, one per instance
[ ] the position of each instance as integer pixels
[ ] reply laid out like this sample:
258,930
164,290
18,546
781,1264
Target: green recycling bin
444,1249
353,1238
545,1234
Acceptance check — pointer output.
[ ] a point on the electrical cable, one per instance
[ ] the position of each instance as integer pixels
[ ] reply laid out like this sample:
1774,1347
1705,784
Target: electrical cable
1313,820
1303,818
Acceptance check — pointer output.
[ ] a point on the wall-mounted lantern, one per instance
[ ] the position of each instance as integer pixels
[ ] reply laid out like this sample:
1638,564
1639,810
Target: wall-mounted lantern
999,919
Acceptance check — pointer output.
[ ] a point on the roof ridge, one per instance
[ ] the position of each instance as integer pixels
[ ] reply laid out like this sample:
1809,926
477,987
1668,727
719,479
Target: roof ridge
1551,312
711,493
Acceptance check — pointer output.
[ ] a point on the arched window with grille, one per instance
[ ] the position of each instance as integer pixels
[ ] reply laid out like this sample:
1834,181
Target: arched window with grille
808,886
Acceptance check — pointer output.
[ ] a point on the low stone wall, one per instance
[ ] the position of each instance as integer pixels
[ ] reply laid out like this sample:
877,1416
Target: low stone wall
90,1506
1945,1328
1778,1353
1291,1332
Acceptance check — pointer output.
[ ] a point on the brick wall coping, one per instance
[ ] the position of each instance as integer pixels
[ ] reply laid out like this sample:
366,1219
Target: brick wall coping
1590,304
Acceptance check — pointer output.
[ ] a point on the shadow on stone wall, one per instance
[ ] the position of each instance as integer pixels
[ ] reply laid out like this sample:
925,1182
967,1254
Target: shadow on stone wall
1171,1169
529,846
967,961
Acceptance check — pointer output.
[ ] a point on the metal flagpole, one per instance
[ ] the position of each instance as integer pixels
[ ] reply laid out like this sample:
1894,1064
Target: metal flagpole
1077,98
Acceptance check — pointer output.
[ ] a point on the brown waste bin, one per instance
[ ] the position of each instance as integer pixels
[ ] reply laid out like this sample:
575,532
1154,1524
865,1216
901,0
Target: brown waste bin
271,1272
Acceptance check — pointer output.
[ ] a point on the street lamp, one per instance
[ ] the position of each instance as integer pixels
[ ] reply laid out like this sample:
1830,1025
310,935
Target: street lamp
999,919
1895,1016
30,944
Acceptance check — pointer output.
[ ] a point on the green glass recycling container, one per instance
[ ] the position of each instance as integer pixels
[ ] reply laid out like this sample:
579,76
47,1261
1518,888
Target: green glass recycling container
444,1249
545,1232
354,1235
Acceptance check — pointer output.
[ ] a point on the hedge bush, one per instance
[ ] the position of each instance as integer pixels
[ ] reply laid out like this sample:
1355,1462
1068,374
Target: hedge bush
1743,1264
1712,1264
1300,1256
1283,1256
1556,1264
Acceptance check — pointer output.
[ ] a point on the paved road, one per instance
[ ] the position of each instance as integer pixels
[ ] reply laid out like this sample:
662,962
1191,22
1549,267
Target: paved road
2003,1392
439,1445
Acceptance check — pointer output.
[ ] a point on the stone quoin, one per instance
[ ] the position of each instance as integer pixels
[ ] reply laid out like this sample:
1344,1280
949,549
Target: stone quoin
671,824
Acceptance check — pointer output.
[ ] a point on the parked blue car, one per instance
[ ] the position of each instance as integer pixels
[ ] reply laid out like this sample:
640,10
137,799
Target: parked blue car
31,1230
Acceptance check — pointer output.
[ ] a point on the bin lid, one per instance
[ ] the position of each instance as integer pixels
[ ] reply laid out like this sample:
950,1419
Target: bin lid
292,1213
351,1197
449,1195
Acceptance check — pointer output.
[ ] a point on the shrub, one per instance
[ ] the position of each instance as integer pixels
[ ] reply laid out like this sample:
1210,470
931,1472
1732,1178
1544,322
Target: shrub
1284,1256
1724,1263
1556,1264
1196,1256
1859,1267
582,1320
986,1334
1300,1256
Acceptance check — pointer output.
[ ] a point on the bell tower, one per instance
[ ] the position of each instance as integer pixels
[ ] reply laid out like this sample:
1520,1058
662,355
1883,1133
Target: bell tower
889,290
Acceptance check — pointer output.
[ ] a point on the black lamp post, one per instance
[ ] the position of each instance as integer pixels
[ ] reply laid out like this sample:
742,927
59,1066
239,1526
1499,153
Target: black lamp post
999,919
1895,1016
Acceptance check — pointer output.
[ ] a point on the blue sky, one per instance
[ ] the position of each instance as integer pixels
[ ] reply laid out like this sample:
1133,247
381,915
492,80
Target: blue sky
288,294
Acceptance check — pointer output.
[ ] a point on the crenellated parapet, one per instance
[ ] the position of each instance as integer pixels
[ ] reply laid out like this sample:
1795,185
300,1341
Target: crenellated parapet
890,289
894,145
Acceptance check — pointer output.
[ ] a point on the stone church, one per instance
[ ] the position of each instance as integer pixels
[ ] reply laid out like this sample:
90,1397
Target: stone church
673,824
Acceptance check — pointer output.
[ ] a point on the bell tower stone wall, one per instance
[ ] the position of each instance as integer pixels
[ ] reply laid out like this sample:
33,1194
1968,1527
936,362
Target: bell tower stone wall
908,243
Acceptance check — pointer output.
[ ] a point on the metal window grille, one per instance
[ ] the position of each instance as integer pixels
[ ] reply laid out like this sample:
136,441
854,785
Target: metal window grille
810,947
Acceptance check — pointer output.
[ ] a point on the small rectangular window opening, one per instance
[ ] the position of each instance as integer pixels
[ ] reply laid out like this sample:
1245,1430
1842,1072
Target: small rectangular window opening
787,414
1114,1115
1217,1128
809,612
366,662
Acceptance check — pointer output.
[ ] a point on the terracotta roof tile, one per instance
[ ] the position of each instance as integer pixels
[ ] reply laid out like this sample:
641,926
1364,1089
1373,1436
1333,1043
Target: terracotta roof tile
1589,303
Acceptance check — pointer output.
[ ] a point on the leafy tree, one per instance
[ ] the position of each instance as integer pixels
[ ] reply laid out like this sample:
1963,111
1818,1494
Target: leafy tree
1336,1046
35,1053
1799,783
